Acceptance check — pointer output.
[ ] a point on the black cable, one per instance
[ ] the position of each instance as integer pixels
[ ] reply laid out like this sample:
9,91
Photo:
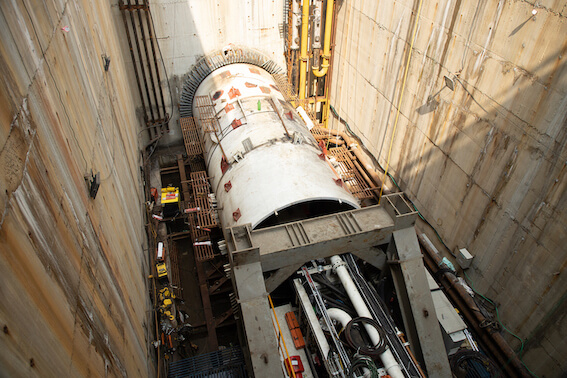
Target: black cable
334,303
325,281
363,348
378,310
361,361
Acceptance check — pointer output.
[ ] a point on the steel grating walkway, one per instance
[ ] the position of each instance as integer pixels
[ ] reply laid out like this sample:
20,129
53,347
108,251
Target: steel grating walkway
223,363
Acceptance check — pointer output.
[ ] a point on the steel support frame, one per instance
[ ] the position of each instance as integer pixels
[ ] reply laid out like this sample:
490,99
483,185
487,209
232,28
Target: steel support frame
281,249
416,302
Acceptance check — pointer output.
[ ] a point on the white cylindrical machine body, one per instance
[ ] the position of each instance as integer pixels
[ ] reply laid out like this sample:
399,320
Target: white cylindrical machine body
275,171
387,357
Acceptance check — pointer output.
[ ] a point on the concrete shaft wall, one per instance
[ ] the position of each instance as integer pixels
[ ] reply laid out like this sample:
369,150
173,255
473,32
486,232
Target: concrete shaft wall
188,30
73,295
485,163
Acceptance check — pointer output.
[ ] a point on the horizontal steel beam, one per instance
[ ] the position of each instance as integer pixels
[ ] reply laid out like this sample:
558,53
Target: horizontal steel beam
297,242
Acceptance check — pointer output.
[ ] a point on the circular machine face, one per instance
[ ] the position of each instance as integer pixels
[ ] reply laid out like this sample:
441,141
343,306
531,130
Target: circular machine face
265,165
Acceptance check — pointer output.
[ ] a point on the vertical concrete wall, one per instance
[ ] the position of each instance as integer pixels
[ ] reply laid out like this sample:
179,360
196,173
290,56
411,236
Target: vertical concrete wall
73,293
485,163
188,30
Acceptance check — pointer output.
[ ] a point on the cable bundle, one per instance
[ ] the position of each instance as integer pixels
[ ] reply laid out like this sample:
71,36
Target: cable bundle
360,361
374,350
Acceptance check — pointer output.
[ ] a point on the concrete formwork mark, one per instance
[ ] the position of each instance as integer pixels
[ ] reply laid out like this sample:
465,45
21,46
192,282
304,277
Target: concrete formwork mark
87,310
56,265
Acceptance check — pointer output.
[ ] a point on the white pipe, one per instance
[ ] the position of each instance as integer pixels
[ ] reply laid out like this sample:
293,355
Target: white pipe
339,315
387,358
344,318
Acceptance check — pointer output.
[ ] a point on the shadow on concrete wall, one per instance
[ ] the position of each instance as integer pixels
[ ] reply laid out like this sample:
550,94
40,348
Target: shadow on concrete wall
500,191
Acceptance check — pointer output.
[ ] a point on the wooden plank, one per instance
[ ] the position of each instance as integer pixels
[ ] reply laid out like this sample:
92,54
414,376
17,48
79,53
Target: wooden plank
206,217
206,112
207,308
174,269
201,101
201,252
191,136
349,174
183,176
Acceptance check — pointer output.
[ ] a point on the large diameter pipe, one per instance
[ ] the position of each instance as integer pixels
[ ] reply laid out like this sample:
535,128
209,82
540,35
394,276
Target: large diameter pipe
260,154
387,358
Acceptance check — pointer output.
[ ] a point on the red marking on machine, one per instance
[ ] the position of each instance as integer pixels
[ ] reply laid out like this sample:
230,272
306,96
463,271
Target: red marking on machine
236,123
250,85
289,115
224,165
228,107
323,153
236,215
228,186
233,93
254,71
265,89
225,74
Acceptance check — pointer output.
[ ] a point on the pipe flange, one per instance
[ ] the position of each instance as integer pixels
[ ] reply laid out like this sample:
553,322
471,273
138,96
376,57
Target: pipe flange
337,263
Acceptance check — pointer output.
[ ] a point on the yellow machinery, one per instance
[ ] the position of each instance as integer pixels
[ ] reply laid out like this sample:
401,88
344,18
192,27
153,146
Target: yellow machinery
309,54
165,293
170,201
166,298
161,270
